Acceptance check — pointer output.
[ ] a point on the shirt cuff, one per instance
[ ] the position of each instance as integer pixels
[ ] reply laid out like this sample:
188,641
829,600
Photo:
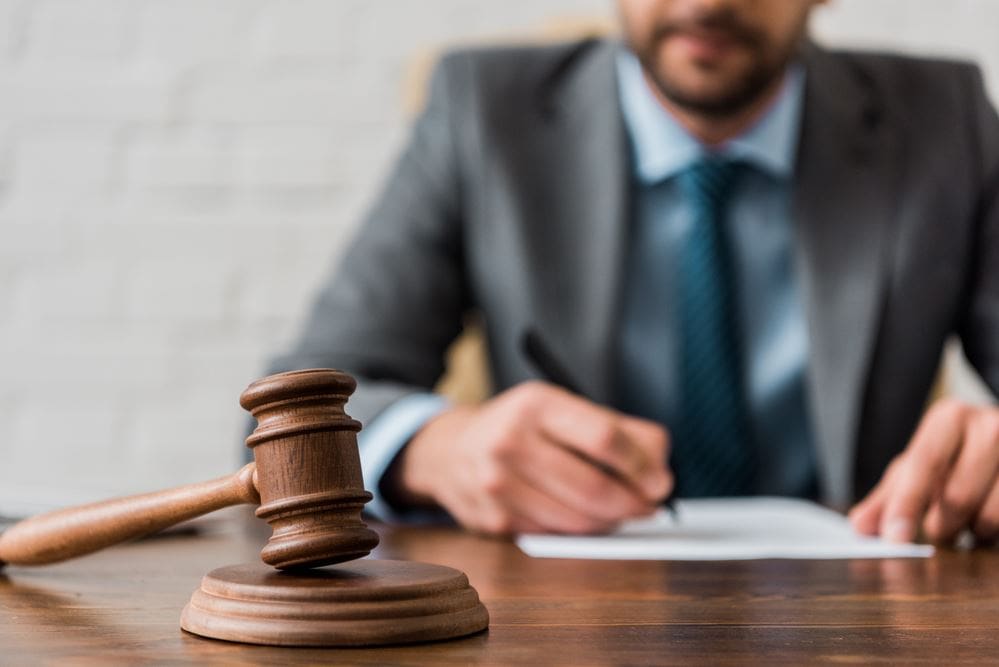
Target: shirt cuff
384,437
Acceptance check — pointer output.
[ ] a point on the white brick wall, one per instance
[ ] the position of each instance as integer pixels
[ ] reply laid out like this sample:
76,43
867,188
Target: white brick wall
177,175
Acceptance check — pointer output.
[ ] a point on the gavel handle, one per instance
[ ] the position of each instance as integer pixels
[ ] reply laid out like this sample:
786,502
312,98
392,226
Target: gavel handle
67,533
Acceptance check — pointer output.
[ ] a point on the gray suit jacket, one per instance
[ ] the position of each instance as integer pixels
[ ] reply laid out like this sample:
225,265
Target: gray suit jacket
512,199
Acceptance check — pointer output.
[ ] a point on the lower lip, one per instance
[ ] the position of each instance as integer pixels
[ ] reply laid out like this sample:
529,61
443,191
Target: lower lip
704,48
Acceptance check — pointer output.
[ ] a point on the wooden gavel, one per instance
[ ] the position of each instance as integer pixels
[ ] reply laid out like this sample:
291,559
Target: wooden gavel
306,475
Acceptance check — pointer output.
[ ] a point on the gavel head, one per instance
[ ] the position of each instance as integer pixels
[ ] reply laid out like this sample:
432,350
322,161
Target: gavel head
308,469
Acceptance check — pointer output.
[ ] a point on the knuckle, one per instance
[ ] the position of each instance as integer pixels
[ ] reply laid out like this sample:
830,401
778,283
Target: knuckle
937,466
958,502
950,409
515,401
919,462
497,523
651,436
525,402
603,440
494,481
532,392
533,386
503,448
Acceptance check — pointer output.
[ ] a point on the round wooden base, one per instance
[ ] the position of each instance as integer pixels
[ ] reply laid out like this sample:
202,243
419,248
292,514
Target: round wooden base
362,603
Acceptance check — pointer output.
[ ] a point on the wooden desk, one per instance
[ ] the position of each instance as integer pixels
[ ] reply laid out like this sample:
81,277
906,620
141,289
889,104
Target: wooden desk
123,606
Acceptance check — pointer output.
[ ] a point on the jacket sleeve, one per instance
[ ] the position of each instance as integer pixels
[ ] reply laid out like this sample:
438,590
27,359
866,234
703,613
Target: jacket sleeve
389,310
979,329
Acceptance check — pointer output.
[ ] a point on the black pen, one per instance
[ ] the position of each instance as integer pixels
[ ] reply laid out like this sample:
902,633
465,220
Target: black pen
545,362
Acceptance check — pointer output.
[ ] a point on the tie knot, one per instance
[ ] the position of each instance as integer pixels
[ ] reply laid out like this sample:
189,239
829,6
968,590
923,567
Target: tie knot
709,180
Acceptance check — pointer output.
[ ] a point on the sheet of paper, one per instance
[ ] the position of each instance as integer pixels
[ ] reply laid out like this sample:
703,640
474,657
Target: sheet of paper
727,529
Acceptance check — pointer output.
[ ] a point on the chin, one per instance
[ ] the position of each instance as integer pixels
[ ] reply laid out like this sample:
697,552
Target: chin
698,91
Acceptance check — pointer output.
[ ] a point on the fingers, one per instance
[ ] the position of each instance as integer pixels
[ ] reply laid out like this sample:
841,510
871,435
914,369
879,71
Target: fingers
654,439
634,449
537,458
500,501
516,506
922,471
580,485
970,481
945,480
486,511
866,515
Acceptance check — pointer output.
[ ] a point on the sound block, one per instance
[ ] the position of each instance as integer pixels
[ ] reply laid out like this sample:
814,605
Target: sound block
361,603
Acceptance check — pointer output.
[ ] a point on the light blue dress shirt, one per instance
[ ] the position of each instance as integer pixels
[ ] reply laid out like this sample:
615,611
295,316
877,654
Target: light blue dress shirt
774,325
761,231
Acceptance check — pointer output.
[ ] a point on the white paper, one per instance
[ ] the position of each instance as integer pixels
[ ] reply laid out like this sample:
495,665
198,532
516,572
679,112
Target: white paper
727,529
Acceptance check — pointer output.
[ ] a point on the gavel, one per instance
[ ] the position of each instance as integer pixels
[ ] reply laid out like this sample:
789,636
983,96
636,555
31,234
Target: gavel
306,476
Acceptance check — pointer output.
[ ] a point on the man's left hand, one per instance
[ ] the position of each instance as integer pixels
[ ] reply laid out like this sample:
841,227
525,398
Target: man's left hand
945,481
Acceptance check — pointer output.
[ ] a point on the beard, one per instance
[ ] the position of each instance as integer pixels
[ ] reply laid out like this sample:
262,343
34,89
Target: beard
733,91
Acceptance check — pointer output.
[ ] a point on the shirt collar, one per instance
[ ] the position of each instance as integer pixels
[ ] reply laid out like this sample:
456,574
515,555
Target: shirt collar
663,148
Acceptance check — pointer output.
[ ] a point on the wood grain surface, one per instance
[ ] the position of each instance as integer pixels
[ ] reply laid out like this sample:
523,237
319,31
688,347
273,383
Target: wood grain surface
122,606
369,602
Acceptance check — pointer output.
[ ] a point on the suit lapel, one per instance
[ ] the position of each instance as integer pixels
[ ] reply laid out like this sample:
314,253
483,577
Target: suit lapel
582,162
842,208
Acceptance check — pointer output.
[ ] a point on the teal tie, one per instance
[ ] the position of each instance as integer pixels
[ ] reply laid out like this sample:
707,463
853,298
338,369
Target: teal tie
712,449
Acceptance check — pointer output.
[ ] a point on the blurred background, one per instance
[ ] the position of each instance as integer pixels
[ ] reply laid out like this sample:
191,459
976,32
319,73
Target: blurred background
177,176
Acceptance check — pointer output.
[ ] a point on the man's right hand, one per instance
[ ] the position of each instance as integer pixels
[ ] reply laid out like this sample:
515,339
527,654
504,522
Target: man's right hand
536,459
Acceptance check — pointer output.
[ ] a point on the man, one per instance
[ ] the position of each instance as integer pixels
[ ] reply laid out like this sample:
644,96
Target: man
746,249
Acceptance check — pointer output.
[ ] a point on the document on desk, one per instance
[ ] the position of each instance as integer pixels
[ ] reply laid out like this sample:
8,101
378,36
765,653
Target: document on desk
727,529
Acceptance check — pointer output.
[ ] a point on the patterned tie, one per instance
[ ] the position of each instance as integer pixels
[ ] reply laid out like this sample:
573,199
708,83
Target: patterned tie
712,449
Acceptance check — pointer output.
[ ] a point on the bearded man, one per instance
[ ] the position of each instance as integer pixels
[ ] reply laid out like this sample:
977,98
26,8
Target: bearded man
746,249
